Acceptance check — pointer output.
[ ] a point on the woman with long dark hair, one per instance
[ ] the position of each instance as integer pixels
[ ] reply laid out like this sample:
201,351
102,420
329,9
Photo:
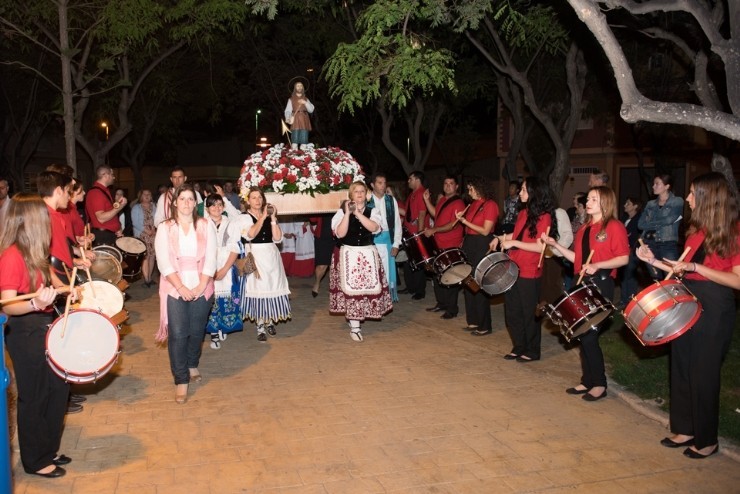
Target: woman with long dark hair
479,221
42,395
604,236
524,246
186,256
711,271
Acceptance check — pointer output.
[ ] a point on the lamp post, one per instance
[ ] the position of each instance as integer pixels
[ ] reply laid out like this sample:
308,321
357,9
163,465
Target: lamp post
105,126
257,124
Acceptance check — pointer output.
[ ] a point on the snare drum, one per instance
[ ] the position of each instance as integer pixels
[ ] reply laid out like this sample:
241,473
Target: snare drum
581,309
87,350
107,249
421,251
133,251
496,273
452,267
103,297
106,267
662,312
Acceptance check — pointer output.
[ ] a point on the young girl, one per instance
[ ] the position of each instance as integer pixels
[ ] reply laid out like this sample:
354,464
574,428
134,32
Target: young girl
711,271
606,237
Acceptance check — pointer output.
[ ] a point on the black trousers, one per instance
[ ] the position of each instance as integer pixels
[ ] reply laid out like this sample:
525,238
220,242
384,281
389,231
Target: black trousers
477,305
42,395
447,296
696,362
525,331
416,281
592,358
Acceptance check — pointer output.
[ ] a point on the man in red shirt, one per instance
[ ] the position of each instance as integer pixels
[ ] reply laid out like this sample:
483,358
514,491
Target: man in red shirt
415,220
102,211
448,233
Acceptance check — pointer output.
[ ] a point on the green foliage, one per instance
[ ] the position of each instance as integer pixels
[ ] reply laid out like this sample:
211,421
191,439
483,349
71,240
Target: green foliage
527,27
391,59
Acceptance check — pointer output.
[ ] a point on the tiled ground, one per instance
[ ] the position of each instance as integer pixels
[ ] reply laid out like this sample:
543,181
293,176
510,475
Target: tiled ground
419,407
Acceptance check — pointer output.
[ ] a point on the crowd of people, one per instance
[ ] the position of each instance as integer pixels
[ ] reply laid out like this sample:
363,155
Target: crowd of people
223,261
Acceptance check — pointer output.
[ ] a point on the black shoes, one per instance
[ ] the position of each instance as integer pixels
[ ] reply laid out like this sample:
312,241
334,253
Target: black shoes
61,460
314,293
481,332
73,408
261,337
590,397
511,356
695,455
271,330
670,443
57,472
576,391
436,308
448,315
418,296
402,291
77,398
524,358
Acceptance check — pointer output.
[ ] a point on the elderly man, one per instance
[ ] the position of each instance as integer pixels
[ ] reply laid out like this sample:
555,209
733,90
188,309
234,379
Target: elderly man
389,239
102,210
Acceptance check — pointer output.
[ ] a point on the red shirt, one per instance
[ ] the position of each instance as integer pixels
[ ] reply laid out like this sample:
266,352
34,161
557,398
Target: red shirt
59,247
414,205
99,199
479,211
75,220
527,261
452,239
610,243
713,260
13,272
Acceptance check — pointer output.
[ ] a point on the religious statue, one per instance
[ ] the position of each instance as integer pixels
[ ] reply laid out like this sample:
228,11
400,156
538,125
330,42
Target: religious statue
296,112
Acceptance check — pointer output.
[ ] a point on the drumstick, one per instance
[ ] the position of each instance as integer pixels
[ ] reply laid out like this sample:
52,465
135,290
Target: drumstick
680,259
87,270
583,271
69,300
544,248
457,220
28,296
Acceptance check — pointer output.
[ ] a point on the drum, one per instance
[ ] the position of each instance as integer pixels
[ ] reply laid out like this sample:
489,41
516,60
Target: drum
103,297
662,312
86,351
496,273
581,309
451,267
107,249
421,251
133,251
106,267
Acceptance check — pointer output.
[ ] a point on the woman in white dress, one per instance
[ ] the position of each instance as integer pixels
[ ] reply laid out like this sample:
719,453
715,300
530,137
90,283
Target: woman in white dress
267,300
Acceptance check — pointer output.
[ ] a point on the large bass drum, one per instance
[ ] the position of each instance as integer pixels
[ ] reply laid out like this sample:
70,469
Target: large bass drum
496,273
662,312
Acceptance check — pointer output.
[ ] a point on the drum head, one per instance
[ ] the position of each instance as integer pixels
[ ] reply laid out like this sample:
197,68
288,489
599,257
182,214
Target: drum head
106,267
131,245
455,274
101,296
87,347
107,249
496,273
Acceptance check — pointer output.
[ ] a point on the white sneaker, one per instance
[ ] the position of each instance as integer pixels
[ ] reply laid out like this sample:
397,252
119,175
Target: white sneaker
356,335
221,335
215,344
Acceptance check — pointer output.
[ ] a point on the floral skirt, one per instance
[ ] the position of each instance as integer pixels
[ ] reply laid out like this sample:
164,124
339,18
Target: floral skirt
357,307
226,314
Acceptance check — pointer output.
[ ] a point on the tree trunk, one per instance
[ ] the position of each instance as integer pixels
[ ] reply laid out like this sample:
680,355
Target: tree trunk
68,104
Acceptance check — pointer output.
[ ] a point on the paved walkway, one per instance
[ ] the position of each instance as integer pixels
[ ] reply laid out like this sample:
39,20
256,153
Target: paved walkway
420,406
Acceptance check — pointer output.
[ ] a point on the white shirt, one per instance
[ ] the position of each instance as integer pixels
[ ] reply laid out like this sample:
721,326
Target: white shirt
188,247
397,227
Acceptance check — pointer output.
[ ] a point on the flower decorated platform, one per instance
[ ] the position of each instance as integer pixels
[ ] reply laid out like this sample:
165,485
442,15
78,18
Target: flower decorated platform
310,181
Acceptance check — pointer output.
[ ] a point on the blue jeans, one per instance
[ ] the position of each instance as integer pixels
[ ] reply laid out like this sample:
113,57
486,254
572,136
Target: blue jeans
187,327
662,250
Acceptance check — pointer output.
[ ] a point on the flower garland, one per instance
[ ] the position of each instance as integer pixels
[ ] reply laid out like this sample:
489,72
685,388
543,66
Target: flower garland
311,170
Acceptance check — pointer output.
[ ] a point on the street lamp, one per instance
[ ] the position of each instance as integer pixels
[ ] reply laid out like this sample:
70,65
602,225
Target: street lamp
257,122
105,126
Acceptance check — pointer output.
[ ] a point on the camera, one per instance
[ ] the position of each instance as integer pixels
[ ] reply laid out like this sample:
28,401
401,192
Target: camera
351,207
270,209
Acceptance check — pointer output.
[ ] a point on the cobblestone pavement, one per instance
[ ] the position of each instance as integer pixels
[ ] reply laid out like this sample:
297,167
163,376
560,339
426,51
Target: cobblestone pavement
419,407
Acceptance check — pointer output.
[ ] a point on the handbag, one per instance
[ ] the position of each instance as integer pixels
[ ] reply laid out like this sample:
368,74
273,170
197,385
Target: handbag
246,265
